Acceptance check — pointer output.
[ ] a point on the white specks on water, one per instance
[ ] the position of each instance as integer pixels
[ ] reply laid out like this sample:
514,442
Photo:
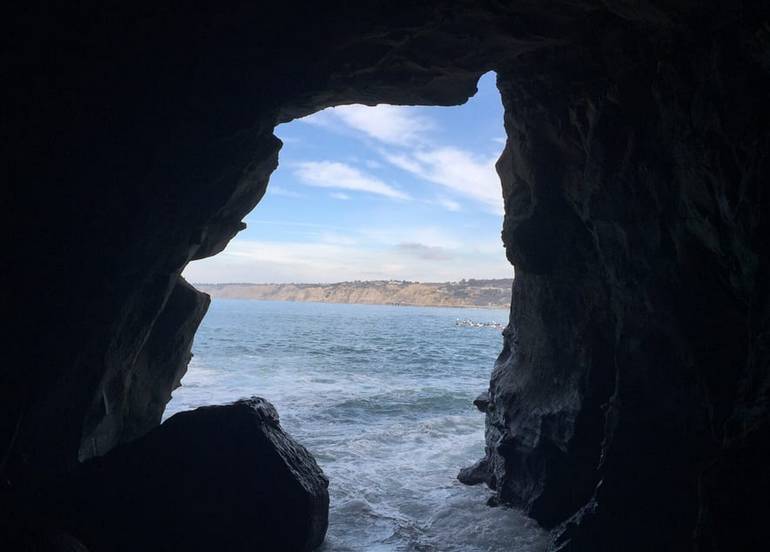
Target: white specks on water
382,397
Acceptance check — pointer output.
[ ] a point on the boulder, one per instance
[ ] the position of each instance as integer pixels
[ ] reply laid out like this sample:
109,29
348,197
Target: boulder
215,478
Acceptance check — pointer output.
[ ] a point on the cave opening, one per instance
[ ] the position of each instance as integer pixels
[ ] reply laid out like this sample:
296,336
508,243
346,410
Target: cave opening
344,301
633,393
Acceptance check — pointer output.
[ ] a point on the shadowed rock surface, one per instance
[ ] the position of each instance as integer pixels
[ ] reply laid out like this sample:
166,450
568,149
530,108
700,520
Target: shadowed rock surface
629,406
133,403
214,478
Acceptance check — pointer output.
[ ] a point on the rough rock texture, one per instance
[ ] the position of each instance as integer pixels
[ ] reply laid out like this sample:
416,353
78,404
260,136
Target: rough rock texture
215,478
629,406
637,353
475,474
133,400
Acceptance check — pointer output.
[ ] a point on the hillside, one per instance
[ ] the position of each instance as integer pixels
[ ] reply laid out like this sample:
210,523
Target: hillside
465,293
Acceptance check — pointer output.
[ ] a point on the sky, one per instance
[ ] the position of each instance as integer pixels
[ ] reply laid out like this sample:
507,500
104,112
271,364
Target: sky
377,193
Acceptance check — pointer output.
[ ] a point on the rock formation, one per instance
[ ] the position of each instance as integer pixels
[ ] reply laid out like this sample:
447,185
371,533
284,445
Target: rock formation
629,407
215,478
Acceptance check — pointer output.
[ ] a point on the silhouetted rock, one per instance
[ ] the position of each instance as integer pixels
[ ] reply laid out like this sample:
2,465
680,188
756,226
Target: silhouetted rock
214,478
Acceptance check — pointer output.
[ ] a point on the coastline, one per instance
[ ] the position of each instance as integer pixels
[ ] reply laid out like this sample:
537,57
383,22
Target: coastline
491,293
443,306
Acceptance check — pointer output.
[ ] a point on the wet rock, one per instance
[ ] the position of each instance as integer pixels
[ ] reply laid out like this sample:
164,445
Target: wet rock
482,401
215,478
475,474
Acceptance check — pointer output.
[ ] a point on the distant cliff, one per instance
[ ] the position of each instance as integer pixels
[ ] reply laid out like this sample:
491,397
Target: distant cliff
465,293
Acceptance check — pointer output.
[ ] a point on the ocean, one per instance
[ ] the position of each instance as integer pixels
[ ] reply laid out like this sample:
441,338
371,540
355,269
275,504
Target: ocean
382,397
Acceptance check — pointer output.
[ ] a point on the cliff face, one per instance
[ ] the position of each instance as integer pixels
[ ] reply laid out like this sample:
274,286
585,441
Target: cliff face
629,407
639,308
636,357
468,293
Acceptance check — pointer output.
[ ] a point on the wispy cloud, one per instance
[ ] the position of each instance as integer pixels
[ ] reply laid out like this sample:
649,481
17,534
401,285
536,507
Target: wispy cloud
407,140
459,170
391,124
433,236
339,195
333,174
284,192
449,204
422,251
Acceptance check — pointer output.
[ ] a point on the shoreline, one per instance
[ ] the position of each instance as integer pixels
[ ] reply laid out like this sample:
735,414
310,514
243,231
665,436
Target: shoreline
471,293
478,307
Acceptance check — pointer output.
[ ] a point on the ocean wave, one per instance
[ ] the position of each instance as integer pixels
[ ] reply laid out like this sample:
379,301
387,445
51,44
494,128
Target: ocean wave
465,323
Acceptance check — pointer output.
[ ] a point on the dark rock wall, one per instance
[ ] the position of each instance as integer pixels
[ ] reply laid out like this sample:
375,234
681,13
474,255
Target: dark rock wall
636,356
633,385
130,404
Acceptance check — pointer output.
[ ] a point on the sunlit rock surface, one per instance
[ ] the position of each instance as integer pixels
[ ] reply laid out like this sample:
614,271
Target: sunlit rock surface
629,406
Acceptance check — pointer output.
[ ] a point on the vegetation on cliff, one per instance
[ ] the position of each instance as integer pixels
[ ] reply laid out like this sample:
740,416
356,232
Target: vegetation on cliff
465,293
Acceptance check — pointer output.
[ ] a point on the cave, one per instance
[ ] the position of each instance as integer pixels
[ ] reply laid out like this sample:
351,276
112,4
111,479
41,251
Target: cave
628,409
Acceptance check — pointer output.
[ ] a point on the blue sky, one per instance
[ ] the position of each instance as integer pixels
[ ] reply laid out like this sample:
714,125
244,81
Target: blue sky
377,193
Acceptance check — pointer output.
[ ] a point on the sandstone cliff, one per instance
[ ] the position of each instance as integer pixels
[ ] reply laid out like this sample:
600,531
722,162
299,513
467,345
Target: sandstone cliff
466,293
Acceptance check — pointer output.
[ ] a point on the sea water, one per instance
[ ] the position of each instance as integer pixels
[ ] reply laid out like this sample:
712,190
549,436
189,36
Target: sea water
382,397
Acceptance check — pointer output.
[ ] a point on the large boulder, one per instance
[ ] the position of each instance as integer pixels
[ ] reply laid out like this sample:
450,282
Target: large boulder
215,478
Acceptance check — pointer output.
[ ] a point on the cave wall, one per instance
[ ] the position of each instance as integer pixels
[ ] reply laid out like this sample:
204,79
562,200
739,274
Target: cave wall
636,357
632,390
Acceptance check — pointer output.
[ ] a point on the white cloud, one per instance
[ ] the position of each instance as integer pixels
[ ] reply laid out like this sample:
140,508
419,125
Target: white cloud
391,124
422,251
332,174
411,148
403,161
461,171
339,195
